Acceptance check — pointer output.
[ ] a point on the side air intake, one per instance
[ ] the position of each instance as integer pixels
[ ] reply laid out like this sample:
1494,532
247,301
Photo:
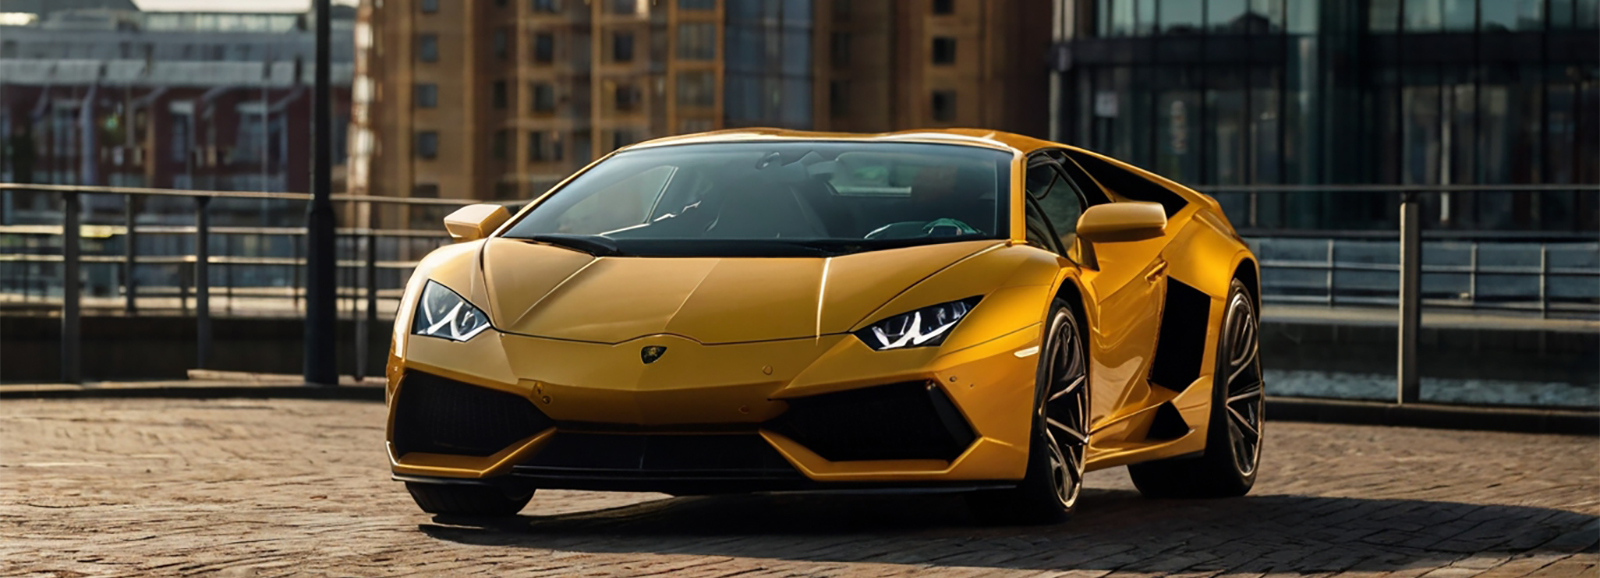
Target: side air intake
443,416
1182,344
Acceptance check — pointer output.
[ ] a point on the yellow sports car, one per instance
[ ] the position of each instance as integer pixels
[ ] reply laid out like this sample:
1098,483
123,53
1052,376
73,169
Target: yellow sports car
764,310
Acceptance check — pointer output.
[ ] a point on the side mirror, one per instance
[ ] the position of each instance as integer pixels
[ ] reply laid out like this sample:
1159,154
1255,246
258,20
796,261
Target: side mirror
1117,222
474,222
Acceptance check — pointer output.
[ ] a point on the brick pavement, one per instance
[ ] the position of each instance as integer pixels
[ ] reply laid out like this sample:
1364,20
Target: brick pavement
272,487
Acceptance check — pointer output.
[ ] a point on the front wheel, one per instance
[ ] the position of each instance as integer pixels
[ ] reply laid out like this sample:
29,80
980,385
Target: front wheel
465,500
1233,439
1056,452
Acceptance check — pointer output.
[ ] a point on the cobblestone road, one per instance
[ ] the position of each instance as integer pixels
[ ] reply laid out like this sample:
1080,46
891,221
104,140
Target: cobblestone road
246,487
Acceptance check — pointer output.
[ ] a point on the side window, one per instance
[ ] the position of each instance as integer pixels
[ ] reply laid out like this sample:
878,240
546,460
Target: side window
1128,184
623,204
1058,200
1038,228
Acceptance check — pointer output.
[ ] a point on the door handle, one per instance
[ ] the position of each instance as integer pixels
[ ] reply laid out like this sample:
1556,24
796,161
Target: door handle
1156,273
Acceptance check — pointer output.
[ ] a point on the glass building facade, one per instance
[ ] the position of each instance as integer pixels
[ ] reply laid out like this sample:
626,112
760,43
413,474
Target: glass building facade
768,66
1267,92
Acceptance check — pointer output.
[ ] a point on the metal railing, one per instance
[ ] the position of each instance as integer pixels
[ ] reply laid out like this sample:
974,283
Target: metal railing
373,262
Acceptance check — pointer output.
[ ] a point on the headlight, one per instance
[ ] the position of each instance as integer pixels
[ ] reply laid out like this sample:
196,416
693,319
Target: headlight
443,313
926,326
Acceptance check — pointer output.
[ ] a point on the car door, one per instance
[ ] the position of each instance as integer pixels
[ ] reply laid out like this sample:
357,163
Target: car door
1129,281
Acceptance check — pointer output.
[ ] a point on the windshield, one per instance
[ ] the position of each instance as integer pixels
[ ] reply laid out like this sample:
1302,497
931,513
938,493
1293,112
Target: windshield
763,198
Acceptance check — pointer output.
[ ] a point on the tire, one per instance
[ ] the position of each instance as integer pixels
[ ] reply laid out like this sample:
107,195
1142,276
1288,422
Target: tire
1232,454
1054,477
465,500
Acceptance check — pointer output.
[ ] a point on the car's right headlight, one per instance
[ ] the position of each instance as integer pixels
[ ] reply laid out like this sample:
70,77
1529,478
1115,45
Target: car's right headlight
444,313
927,326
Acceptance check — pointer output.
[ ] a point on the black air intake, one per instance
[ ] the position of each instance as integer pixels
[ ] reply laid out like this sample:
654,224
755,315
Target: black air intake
903,421
443,416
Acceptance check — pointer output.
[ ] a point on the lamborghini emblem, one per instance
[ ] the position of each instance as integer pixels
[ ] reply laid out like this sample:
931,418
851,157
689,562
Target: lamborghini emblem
651,353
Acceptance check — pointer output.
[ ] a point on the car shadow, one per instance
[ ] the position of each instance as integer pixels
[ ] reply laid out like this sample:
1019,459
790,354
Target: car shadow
1112,530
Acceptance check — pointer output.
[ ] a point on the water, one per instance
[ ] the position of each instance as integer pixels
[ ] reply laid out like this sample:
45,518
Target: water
1380,387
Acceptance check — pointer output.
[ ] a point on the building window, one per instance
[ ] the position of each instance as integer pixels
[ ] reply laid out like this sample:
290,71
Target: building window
501,145
944,6
500,3
841,10
500,95
425,191
622,47
427,95
430,6
839,99
627,97
697,4
544,97
547,6
697,41
944,105
624,6
839,49
427,144
428,48
544,48
536,147
557,151
944,50
620,138
697,89
502,44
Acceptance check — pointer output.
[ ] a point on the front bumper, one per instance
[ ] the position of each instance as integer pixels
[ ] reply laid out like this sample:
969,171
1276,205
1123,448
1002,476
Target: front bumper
790,414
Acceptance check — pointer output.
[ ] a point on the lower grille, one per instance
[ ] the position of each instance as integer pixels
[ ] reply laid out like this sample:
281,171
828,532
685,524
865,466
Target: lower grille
574,455
913,420
444,416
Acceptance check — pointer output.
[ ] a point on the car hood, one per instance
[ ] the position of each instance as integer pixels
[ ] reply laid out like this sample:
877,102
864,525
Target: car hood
553,292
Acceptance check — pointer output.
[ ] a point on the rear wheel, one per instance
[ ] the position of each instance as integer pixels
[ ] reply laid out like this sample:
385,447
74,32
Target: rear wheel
1056,452
466,500
1233,440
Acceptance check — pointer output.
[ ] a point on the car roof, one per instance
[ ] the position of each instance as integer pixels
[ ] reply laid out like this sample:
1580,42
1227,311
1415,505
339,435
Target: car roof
962,136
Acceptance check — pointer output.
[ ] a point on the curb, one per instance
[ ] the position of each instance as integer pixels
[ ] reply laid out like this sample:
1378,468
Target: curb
1457,417
1523,420
285,391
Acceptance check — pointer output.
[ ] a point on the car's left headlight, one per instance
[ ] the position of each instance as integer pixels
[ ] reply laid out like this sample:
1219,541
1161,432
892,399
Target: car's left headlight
927,326
444,313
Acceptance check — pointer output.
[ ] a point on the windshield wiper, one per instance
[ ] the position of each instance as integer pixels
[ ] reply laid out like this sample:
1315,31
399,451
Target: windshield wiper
592,244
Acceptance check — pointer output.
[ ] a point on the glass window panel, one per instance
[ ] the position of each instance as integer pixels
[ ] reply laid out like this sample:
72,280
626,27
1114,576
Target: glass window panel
1103,10
1501,15
1181,16
1560,14
1587,14
1265,127
1269,13
697,41
1122,19
1423,16
1225,15
1177,135
1460,15
1144,17
1383,15
1228,135
1302,17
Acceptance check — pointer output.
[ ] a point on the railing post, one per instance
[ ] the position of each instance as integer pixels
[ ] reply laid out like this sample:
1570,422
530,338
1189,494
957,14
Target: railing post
1472,279
71,371
202,281
130,250
321,319
1544,280
1328,278
1410,295
365,322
